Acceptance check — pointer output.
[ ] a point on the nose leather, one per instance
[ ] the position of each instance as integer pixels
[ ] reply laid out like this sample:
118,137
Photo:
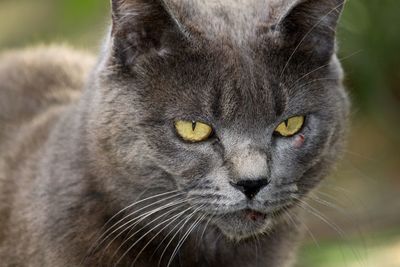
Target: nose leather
250,188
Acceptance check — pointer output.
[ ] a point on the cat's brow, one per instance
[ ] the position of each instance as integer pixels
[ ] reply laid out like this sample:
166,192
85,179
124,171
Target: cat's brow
216,103
280,99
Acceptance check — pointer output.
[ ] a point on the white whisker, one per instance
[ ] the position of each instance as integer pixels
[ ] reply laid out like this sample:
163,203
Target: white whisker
183,239
140,229
305,226
173,237
172,219
334,226
321,67
93,247
135,221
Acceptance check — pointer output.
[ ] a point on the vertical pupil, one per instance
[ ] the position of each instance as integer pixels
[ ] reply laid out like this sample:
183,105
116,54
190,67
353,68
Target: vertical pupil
193,125
287,123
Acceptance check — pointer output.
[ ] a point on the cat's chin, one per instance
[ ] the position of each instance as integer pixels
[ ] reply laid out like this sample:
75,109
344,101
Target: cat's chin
243,224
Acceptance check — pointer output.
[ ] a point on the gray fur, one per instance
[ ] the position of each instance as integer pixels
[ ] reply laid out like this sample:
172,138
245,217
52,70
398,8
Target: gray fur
70,162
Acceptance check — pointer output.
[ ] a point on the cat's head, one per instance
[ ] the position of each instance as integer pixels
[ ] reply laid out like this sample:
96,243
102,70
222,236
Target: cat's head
236,107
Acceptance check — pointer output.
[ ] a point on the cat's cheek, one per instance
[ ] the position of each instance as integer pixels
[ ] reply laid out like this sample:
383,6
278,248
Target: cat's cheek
299,141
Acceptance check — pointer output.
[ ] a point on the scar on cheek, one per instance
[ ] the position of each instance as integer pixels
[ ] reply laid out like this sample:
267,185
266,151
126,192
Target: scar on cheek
299,141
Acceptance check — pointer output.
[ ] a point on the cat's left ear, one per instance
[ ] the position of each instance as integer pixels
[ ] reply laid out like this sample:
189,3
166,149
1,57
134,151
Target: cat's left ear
309,26
142,27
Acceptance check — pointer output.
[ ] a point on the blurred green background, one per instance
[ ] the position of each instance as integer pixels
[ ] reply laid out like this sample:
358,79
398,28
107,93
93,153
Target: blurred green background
360,202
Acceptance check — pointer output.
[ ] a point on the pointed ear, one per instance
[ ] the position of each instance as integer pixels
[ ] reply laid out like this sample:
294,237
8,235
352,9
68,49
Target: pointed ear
309,26
142,27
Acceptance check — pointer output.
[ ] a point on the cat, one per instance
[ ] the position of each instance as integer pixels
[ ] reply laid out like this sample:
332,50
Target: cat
193,140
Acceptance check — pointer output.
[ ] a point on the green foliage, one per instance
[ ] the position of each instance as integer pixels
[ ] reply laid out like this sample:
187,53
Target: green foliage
372,28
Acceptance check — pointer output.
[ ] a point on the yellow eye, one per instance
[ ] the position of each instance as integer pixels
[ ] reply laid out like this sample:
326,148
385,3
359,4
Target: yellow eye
291,126
193,131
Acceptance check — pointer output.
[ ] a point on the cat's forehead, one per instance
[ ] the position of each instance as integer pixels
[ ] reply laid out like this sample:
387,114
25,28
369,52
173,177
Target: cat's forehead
213,90
234,21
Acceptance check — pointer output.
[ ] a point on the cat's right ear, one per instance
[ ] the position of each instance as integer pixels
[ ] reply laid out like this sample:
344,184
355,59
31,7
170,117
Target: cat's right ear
142,27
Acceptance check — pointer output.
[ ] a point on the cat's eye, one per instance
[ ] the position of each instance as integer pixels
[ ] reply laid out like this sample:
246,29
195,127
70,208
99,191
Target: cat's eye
290,126
193,131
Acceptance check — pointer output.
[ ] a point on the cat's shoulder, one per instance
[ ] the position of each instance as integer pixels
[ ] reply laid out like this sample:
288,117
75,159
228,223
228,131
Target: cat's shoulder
35,85
34,78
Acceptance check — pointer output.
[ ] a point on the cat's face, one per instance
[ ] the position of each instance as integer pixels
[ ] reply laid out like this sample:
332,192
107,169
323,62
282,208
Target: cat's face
244,174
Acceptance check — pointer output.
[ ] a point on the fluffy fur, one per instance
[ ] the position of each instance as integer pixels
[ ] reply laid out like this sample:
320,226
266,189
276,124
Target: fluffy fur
79,169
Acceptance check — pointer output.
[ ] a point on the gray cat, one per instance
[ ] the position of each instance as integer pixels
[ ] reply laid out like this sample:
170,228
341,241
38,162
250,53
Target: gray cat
195,140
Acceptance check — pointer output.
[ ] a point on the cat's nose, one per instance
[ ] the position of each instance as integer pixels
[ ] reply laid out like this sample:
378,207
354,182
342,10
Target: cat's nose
250,187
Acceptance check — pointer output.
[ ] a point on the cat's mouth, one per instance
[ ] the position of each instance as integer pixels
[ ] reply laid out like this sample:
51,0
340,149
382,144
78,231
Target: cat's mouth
243,223
253,215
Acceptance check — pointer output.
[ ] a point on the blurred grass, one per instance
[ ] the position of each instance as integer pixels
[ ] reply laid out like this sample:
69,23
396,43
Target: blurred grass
367,183
27,22
382,251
